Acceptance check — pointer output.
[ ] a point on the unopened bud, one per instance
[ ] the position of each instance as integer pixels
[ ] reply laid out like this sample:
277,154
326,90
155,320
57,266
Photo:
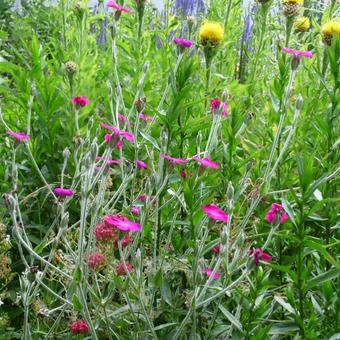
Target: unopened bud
299,102
146,67
295,63
191,21
94,149
64,220
66,153
225,96
224,236
71,67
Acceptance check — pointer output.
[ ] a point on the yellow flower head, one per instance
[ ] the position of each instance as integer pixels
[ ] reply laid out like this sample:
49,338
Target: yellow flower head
298,2
211,32
331,28
302,24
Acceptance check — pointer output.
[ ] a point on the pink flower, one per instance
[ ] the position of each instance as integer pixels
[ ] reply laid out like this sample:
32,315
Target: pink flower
122,269
98,168
124,134
141,165
104,232
206,162
80,101
109,162
183,42
63,192
258,254
79,327
298,54
184,174
215,213
217,249
96,260
174,160
216,105
135,210
123,118
121,223
275,213
145,117
142,198
20,136
119,8
209,273
126,240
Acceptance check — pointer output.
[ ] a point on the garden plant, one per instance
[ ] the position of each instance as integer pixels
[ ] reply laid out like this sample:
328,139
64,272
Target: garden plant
170,169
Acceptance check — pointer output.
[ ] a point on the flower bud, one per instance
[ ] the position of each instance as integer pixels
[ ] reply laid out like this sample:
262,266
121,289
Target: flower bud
94,149
291,7
299,102
224,236
230,191
295,63
66,153
146,67
71,67
64,220
140,103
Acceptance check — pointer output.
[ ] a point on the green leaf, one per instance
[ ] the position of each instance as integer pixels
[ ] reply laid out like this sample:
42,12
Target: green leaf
77,275
77,305
327,276
284,328
150,139
284,304
308,242
166,292
231,318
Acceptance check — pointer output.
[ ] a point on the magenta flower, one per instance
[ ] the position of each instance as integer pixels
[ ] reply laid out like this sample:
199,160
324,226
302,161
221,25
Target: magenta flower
63,192
123,268
141,165
123,118
135,210
298,54
216,105
215,213
20,136
217,249
142,198
206,162
119,8
145,117
121,223
184,174
209,272
79,327
98,168
109,162
104,232
259,254
174,160
183,42
80,101
124,134
96,260
276,213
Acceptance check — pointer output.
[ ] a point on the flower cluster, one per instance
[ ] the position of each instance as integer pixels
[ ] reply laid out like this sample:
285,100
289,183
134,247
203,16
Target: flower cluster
79,327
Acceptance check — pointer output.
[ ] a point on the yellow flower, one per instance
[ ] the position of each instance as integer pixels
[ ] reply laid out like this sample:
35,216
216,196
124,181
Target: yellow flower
298,2
302,24
211,32
331,28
